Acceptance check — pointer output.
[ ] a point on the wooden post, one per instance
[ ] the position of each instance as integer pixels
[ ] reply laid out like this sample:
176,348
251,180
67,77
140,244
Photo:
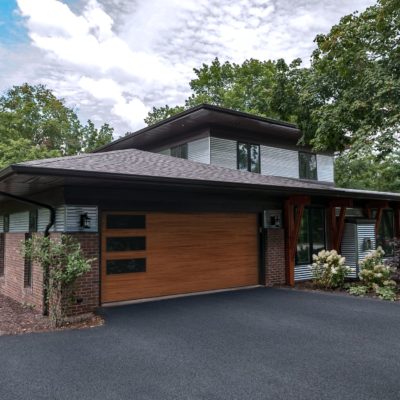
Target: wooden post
292,229
337,224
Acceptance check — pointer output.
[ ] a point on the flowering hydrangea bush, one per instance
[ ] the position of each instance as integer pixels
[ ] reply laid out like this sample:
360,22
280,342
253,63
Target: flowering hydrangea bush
374,272
329,269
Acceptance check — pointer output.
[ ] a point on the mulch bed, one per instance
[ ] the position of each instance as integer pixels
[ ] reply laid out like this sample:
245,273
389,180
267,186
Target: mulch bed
309,286
17,319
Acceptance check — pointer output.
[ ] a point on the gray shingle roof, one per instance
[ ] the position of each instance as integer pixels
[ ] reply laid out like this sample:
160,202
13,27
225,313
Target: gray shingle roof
137,163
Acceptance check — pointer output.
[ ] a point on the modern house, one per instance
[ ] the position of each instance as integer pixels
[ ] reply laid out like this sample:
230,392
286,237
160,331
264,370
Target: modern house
208,199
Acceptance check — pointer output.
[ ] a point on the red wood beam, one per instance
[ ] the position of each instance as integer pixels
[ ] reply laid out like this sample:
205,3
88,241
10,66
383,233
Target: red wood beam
340,229
378,220
292,229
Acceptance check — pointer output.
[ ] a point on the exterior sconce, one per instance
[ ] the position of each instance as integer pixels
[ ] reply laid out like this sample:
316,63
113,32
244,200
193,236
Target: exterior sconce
367,244
85,221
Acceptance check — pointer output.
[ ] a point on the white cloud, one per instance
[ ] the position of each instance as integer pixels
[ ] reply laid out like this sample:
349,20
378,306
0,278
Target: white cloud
112,60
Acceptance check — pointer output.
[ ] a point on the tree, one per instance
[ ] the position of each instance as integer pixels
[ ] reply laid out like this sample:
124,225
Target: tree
34,115
265,88
354,84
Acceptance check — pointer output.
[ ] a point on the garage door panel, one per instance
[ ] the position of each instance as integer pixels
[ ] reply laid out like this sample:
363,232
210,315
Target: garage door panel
190,253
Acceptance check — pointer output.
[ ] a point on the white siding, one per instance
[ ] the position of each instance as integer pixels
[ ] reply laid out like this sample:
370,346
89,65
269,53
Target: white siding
72,218
44,218
302,272
279,162
19,222
199,150
325,168
223,152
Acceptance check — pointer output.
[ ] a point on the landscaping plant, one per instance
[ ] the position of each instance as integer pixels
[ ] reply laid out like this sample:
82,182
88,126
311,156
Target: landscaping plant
63,262
329,270
375,275
358,290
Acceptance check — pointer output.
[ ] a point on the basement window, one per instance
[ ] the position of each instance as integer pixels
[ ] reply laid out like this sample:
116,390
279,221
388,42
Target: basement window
180,151
307,165
311,235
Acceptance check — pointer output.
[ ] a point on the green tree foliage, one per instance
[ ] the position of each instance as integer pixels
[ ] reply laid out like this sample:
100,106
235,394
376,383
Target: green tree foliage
34,119
265,88
354,84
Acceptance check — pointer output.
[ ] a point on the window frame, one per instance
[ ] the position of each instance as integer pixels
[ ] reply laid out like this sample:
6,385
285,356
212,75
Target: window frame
308,153
310,235
182,149
249,162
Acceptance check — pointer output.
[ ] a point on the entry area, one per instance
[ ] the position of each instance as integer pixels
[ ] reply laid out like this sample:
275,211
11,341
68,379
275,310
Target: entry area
158,254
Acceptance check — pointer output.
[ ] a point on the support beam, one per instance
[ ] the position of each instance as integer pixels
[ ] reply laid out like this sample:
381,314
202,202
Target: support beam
337,223
294,209
379,205
397,222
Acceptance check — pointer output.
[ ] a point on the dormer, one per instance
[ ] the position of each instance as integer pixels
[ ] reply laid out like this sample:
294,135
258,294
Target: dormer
232,139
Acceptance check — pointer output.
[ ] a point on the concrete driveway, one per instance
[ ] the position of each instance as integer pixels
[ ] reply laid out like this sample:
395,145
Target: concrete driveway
250,344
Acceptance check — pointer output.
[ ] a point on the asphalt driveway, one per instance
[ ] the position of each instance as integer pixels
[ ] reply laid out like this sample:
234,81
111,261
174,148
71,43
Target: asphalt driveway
251,344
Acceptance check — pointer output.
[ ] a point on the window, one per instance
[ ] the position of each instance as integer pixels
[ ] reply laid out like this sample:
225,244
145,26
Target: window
6,223
248,157
386,232
311,235
2,253
124,243
307,165
180,151
27,266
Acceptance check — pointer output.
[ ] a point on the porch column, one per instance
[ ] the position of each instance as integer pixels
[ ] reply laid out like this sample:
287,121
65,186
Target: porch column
337,223
294,208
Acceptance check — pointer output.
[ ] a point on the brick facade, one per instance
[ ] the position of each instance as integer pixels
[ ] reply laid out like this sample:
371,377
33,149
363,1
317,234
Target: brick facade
87,287
12,282
275,257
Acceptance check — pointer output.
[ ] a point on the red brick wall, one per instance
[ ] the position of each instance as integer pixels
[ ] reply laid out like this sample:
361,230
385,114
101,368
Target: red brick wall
87,287
275,257
12,283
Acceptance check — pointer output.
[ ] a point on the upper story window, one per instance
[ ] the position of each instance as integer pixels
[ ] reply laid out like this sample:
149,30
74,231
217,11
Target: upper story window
307,165
180,151
248,157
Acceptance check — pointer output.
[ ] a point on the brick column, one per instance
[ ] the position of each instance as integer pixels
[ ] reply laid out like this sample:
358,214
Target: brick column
275,257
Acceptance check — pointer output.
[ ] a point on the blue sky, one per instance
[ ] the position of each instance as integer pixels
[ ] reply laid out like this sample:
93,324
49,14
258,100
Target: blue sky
11,28
113,60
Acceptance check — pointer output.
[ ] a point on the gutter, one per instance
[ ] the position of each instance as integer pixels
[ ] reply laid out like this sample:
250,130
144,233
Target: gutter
52,220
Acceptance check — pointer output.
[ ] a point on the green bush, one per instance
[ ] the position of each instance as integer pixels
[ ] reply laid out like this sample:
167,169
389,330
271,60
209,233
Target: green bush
373,271
386,292
62,262
358,290
329,270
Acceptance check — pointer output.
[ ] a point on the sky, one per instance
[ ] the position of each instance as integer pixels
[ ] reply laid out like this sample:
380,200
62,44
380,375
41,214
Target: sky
113,60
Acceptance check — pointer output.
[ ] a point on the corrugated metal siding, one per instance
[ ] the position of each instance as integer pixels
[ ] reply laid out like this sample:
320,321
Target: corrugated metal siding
44,217
1,224
302,273
199,150
365,231
72,218
223,152
325,168
166,152
19,222
353,243
279,162
349,247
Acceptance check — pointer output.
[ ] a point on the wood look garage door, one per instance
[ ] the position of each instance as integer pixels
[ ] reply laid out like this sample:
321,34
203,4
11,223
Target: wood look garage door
158,254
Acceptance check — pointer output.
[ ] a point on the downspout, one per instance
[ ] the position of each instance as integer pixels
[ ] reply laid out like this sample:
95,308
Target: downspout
52,220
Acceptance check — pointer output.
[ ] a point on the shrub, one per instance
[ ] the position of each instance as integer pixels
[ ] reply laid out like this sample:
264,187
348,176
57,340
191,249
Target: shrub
373,270
358,290
329,269
62,262
385,292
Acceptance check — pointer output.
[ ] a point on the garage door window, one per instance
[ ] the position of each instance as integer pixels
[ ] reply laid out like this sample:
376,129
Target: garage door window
124,243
